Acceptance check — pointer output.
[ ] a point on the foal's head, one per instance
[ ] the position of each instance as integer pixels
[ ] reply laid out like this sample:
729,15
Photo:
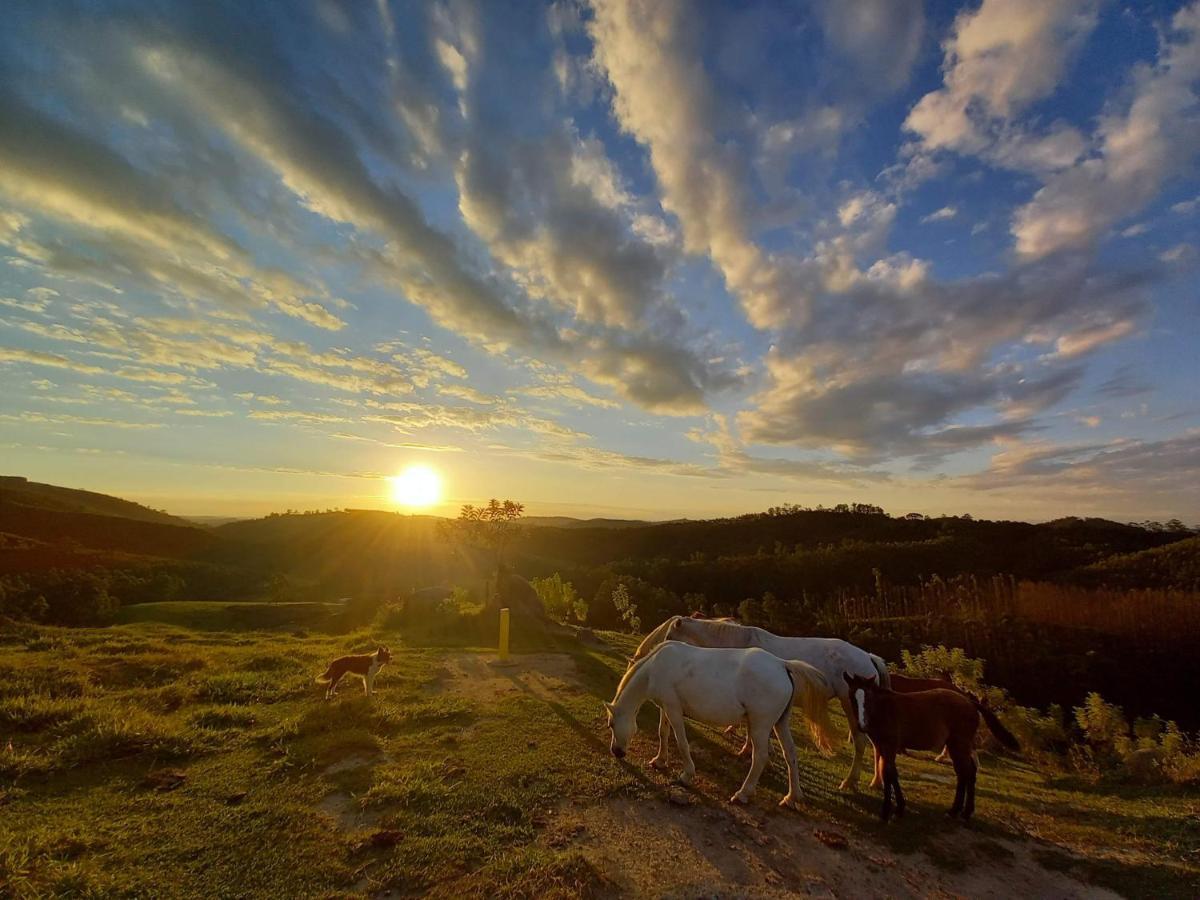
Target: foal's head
862,694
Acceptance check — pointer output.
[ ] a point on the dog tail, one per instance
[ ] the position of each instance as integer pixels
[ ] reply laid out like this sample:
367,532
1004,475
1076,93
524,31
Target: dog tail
885,679
1003,735
811,692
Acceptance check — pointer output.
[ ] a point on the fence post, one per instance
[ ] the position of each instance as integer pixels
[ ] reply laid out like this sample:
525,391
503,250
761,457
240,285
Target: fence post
504,634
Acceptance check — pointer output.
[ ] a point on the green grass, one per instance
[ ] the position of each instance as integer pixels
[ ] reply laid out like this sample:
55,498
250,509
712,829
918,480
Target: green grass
422,790
213,615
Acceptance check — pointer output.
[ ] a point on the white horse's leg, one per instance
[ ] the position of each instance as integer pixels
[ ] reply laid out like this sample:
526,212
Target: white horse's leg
675,714
664,740
760,743
860,745
783,731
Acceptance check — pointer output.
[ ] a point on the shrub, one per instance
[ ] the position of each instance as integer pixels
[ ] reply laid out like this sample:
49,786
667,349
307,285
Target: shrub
560,598
1152,750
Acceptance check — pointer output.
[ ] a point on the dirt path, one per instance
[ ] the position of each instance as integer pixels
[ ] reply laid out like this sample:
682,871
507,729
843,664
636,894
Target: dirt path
482,677
690,843
678,847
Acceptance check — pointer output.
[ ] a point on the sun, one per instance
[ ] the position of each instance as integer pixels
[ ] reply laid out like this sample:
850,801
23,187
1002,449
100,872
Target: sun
416,487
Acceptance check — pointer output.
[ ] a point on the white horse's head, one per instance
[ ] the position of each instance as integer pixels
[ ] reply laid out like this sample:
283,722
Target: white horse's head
622,726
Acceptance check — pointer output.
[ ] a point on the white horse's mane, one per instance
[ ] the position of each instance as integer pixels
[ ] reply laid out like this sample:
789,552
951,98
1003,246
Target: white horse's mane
635,665
657,636
722,629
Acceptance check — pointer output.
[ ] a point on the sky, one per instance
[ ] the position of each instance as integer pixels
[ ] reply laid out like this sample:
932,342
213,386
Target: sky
647,258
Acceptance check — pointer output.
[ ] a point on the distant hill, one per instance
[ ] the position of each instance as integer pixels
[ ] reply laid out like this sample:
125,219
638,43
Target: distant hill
570,522
21,492
71,519
787,551
212,521
349,552
1176,565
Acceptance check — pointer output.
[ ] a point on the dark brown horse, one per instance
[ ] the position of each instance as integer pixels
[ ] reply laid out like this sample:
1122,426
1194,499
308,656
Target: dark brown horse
907,684
924,720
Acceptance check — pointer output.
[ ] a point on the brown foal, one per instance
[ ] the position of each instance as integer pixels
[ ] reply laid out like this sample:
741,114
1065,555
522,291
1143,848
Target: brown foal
924,720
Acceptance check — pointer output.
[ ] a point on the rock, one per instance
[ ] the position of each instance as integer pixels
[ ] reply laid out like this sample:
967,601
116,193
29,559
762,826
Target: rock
680,798
164,779
387,837
831,839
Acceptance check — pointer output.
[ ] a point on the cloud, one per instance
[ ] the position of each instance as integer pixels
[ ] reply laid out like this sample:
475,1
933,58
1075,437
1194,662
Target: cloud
881,37
648,51
64,173
892,365
1163,473
941,215
318,163
999,59
1153,138
1186,207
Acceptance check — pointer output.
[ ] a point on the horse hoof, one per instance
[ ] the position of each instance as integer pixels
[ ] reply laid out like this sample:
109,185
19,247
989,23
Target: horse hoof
657,763
790,802
686,777
738,798
848,785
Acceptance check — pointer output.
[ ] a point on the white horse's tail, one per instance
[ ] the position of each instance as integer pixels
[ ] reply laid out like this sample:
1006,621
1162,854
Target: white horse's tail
885,680
811,693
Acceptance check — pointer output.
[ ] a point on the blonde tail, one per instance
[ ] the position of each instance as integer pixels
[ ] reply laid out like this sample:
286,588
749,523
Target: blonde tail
811,693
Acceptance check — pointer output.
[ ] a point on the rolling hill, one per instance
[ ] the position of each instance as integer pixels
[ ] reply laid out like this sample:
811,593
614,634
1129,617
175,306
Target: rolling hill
72,519
1175,565
20,492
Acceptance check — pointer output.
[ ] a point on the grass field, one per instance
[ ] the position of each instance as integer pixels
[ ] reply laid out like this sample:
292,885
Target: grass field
156,760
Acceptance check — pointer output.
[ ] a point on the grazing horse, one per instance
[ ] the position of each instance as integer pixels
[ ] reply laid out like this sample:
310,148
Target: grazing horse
925,720
830,656
720,687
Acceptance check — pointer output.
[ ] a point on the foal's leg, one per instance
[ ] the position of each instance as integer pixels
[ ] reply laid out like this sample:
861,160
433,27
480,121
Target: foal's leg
886,812
960,784
664,740
900,803
972,773
675,714
760,743
783,731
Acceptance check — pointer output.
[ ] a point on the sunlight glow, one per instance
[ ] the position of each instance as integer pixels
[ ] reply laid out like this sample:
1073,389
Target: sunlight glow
416,487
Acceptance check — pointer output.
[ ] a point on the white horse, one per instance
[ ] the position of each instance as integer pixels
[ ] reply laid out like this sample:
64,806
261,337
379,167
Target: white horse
830,656
721,687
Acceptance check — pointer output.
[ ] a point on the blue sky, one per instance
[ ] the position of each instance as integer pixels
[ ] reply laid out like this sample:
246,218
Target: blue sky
648,258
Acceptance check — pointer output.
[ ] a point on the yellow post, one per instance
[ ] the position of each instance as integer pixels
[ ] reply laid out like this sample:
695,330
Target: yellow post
504,634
